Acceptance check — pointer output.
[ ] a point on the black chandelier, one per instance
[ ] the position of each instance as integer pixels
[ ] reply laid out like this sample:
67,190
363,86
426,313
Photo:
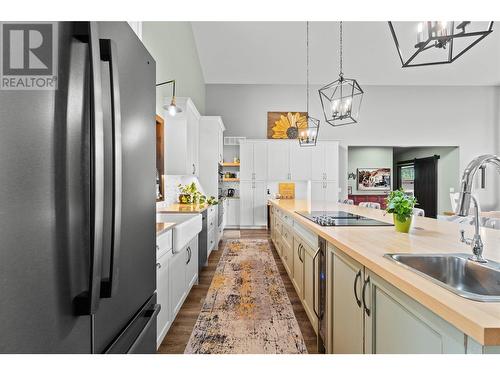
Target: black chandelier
308,135
437,42
341,99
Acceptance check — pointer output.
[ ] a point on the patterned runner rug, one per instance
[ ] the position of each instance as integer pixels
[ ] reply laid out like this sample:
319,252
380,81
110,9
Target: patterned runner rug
247,309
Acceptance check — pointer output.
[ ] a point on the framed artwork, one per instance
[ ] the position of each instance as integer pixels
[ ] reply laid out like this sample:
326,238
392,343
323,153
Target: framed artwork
374,178
285,125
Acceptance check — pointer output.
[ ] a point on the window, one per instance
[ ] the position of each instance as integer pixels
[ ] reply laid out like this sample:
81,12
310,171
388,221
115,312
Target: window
407,178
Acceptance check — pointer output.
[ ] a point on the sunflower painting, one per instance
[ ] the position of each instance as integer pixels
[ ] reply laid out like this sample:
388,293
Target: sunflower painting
285,125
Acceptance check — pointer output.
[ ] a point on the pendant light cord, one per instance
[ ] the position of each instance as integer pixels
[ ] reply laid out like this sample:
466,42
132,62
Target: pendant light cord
307,68
341,74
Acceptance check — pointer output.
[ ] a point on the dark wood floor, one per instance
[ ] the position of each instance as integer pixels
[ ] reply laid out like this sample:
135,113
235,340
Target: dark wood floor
180,331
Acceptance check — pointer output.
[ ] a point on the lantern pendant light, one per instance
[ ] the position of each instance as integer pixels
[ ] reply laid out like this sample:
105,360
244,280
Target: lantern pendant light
341,99
437,42
308,135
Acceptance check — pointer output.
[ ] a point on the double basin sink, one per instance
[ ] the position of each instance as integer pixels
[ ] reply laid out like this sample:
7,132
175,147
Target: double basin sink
455,272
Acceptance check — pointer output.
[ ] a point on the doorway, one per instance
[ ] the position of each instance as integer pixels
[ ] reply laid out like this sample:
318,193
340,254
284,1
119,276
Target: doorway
419,177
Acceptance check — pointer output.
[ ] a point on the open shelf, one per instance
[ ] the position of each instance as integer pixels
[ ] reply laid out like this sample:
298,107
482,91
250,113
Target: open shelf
230,164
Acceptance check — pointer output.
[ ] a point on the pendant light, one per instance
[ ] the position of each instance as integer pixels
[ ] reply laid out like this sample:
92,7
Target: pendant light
437,42
308,135
172,108
341,99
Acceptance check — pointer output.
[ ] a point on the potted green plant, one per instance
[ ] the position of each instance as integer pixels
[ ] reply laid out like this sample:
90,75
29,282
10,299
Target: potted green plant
188,193
401,205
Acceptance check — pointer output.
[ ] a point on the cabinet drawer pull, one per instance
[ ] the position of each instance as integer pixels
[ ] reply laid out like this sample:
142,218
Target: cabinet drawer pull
358,276
158,265
367,310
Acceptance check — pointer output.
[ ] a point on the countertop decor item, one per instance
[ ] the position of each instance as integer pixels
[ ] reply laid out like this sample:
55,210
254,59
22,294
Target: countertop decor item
308,135
172,108
341,99
285,125
190,194
401,206
287,190
436,42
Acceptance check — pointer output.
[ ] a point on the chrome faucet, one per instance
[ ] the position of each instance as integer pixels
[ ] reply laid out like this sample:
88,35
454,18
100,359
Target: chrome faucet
465,199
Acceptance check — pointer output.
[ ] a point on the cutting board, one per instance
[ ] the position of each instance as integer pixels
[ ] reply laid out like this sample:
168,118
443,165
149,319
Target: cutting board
287,190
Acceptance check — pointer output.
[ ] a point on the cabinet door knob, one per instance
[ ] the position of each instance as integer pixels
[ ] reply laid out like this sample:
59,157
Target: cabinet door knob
158,265
157,248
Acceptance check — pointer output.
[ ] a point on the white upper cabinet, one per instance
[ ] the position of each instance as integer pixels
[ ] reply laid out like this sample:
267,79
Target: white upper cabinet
182,139
300,162
253,161
260,158
289,161
246,161
279,161
211,134
325,161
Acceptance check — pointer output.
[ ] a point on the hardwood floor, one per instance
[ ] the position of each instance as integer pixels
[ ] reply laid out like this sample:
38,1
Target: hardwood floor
180,331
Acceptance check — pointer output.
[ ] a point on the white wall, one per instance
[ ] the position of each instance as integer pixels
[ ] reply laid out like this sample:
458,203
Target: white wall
448,170
368,157
173,47
390,116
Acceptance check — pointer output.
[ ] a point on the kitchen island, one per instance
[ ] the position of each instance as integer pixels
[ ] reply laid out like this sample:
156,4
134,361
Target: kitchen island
457,324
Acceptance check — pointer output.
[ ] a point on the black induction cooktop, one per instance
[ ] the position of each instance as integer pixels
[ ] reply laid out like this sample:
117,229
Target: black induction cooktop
341,219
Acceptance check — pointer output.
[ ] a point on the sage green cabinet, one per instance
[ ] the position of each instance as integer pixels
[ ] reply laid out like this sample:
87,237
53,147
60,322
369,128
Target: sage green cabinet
371,316
397,324
347,308
298,266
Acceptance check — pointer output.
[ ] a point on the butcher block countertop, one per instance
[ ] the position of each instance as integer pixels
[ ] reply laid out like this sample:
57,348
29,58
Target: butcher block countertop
367,245
178,208
163,227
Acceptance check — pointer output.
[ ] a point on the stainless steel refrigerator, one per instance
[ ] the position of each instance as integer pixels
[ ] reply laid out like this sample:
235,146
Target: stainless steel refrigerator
77,200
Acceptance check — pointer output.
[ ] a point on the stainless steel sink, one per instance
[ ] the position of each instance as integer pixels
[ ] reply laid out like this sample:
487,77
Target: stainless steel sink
455,272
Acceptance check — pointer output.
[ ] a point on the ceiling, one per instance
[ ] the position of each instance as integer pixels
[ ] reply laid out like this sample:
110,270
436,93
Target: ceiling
274,53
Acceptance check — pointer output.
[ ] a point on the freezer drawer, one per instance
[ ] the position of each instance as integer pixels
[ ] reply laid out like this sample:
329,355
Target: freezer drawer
139,336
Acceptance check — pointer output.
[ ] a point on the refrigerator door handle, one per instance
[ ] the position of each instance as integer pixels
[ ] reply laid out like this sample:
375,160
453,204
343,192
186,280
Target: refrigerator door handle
87,302
109,54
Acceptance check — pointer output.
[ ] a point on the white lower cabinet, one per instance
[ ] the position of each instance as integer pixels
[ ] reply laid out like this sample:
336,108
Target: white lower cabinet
373,317
177,280
253,203
232,213
163,321
176,273
191,264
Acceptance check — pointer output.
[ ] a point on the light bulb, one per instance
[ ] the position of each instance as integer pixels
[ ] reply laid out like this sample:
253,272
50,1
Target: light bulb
172,110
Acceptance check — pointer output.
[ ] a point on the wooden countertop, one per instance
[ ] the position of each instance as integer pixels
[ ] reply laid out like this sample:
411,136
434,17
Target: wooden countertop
163,227
182,208
367,245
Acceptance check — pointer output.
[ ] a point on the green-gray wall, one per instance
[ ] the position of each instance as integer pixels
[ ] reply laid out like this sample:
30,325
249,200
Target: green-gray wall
368,157
173,47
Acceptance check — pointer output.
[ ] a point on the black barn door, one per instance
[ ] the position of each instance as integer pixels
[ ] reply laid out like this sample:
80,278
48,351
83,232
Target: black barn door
426,184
